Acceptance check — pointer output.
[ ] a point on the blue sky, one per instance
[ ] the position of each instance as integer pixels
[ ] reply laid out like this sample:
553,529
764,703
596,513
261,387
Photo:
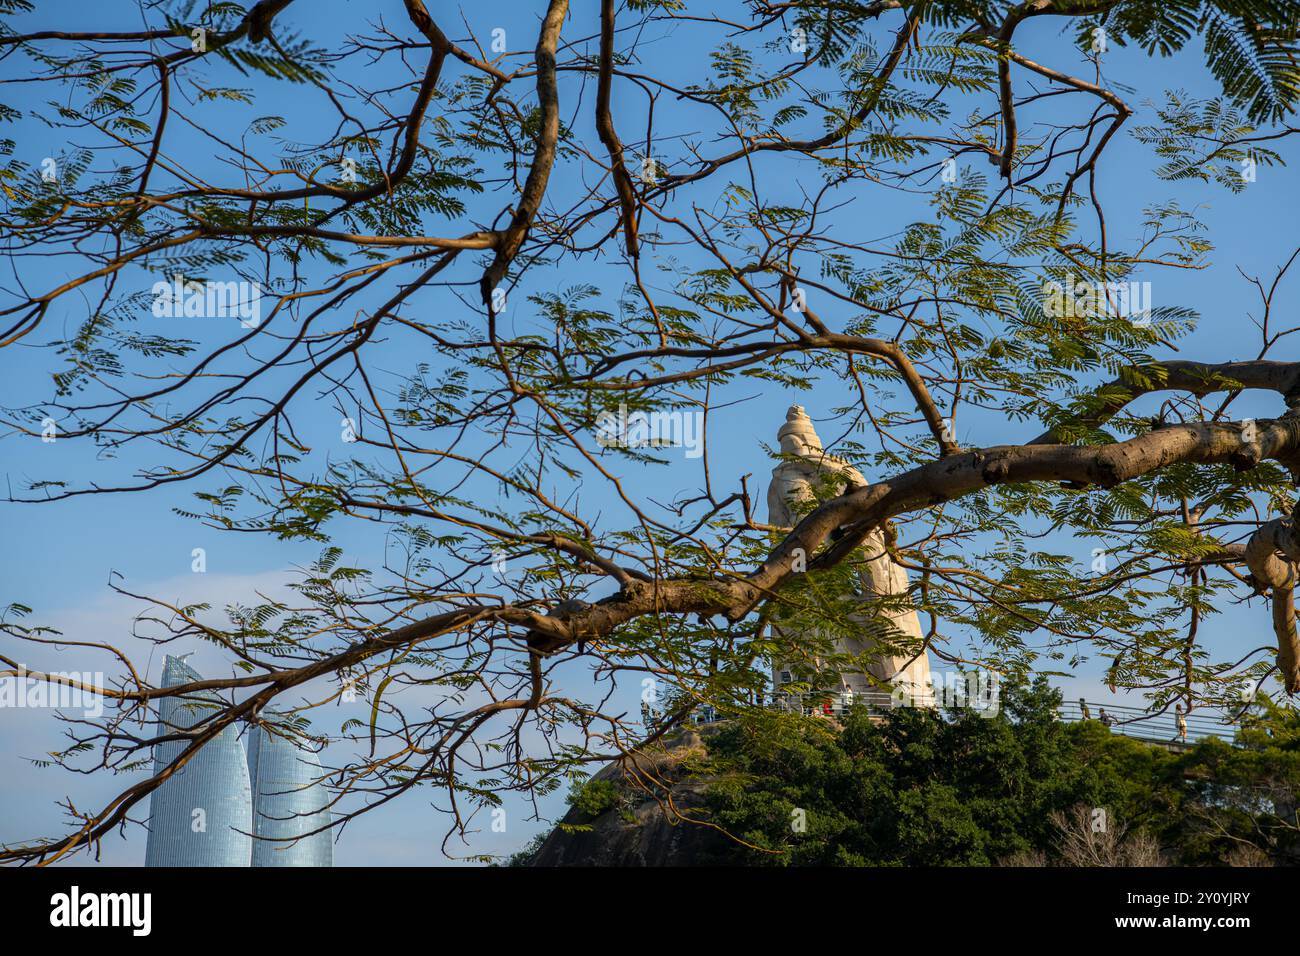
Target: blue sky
59,557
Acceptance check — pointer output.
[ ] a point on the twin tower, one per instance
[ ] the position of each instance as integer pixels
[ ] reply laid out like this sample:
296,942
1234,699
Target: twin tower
228,806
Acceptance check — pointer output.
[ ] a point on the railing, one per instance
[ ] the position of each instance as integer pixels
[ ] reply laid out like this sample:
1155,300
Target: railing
1121,719
1136,722
811,705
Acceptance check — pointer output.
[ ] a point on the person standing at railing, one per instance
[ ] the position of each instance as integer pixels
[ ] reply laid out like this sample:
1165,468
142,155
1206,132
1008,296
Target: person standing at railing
1083,709
1181,721
1106,719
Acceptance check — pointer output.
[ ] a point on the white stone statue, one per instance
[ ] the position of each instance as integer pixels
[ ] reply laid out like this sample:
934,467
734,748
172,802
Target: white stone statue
792,481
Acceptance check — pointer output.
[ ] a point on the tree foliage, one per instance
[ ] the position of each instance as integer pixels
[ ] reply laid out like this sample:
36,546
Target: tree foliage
918,788
471,253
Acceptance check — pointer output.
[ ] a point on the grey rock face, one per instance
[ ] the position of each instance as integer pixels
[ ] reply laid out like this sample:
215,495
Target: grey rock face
640,832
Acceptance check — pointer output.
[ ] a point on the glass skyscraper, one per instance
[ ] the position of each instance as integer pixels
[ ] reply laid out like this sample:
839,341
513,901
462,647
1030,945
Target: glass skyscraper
211,811
202,815
288,801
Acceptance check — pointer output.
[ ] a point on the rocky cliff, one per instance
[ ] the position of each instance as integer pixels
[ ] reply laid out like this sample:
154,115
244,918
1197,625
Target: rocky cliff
657,817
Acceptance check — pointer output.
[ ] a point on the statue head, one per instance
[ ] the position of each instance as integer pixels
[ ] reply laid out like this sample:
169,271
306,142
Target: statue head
797,436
